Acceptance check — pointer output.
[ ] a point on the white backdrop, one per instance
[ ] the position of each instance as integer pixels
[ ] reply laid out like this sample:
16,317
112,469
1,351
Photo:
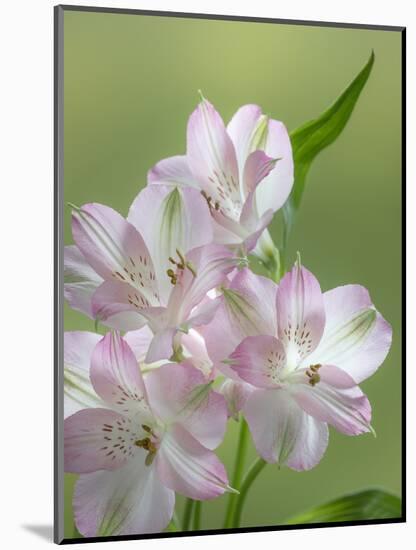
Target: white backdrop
26,289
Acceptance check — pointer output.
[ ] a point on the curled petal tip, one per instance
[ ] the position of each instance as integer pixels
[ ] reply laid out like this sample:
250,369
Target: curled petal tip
230,489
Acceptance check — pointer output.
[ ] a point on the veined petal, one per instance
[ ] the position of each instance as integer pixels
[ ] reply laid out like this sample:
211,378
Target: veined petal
114,248
247,308
98,439
282,432
259,360
241,130
78,391
212,160
116,376
210,265
129,501
258,165
170,219
172,171
185,466
80,280
356,337
251,241
119,306
180,393
300,313
335,400
275,188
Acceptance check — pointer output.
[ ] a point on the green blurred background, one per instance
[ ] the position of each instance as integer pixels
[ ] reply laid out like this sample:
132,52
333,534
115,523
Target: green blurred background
130,83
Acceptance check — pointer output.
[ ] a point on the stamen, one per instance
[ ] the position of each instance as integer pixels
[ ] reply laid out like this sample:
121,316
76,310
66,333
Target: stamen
312,374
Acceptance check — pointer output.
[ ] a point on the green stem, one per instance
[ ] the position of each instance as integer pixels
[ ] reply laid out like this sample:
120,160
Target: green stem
197,515
238,471
249,478
189,505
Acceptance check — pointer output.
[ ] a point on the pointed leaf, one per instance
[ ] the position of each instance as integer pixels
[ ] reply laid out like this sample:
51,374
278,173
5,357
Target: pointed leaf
369,504
309,139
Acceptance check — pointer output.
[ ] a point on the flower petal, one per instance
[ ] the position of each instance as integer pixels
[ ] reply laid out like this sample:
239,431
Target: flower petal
282,432
241,130
98,439
170,220
258,165
119,306
180,393
356,337
80,280
172,171
129,501
300,313
259,360
78,391
185,466
139,342
114,248
335,400
236,395
116,376
212,160
211,264
275,188
247,308
161,346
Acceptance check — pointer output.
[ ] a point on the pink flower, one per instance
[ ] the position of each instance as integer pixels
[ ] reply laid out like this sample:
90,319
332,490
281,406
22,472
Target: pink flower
144,439
244,171
304,353
152,268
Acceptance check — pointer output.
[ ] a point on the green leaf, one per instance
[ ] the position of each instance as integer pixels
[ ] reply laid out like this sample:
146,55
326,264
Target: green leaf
311,138
370,504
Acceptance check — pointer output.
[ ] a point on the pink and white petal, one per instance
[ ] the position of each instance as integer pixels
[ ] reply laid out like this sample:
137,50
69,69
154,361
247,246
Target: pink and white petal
119,306
259,360
139,342
241,129
275,188
98,439
180,393
114,248
80,280
282,432
170,219
188,468
78,391
116,376
128,501
236,395
335,400
212,159
211,265
172,171
196,353
161,346
258,165
203,314
250,242
247,308
300,313
356,337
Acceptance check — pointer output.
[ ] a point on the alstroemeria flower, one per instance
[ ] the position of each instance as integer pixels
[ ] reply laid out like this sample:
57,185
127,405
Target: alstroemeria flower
158,274
307,363
151,436
244,171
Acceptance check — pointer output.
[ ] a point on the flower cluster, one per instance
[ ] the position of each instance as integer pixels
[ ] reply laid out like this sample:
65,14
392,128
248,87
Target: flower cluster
196,338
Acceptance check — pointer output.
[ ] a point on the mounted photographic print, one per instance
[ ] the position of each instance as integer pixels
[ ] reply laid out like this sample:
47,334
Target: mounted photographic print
229,201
